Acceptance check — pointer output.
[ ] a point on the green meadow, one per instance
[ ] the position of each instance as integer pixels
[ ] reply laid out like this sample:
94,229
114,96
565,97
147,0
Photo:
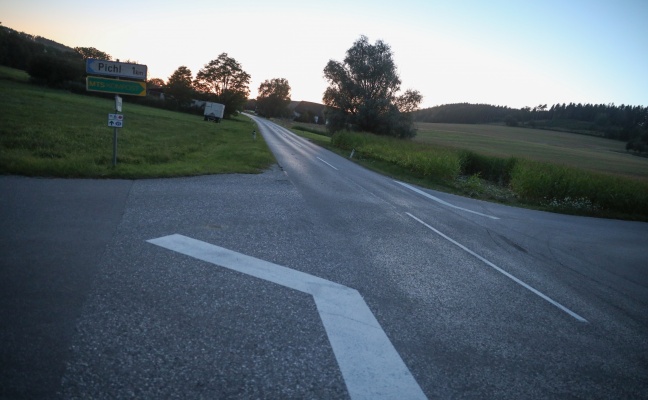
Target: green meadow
47,132
579,151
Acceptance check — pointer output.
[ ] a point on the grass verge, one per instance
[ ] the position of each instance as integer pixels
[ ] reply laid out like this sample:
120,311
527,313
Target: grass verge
47,132
514,181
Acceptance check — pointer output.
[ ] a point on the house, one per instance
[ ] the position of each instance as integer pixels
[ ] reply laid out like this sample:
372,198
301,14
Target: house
155,91
306,111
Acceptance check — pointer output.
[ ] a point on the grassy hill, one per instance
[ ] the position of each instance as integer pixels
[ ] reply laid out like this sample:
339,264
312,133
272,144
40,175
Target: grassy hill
47,132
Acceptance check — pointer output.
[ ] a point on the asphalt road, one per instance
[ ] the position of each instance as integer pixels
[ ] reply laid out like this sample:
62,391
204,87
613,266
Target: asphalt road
385,286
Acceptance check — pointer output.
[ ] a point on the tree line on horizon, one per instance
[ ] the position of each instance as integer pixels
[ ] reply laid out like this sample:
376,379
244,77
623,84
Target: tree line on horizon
362,94
53,64
221,80
625,122
352,101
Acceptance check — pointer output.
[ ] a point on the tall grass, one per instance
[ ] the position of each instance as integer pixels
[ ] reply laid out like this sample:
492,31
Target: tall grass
564,187
423,161
494,169
549,186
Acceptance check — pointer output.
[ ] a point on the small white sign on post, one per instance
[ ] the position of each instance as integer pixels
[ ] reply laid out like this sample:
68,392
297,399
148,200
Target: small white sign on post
115,120
118,103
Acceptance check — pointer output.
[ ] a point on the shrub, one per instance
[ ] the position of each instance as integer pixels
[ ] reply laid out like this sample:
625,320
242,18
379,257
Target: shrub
510,120
426,162
472,185
310,130
494,169
55,71
559,186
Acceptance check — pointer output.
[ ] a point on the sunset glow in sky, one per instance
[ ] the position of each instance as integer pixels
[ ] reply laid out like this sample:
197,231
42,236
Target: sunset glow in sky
514,53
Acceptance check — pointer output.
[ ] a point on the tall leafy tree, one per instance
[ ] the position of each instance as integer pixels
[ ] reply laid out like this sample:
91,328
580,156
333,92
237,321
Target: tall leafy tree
223,74
223,80
179,85
54,71
155,82
91,52
363,92
273,98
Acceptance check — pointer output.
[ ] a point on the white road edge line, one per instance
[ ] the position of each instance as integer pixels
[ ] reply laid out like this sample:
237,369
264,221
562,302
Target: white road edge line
498,269
369,363
327,163
445,203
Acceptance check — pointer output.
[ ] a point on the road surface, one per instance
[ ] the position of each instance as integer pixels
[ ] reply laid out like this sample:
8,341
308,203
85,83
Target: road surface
315,279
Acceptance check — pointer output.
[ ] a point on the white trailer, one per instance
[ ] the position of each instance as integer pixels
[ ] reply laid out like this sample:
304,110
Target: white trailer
214,111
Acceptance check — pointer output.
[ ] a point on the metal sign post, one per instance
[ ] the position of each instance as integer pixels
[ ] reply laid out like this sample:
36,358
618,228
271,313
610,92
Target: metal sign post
118,108
114,163
115,121
117,86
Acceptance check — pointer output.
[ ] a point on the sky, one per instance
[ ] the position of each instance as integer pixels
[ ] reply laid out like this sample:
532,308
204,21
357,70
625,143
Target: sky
509,53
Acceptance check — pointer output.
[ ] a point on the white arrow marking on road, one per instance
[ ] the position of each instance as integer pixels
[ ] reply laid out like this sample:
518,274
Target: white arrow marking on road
370,365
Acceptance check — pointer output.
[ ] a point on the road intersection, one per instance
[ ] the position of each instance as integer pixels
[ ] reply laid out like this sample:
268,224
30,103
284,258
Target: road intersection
146,322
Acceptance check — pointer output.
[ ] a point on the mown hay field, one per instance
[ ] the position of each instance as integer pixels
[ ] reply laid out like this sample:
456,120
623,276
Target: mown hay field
569,149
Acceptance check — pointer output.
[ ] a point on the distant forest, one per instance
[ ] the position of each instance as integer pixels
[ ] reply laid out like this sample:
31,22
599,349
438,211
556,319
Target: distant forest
626,123
50,62
18,49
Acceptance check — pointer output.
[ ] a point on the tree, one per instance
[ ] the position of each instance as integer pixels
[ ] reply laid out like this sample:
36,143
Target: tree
223,80
273,98
525,114
179,85
54,71
155,82
409,101
510,120
19,50
363,92
91,52
15,50
223,74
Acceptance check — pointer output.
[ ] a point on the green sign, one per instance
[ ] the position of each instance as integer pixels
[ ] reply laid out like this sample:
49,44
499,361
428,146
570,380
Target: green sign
106,85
